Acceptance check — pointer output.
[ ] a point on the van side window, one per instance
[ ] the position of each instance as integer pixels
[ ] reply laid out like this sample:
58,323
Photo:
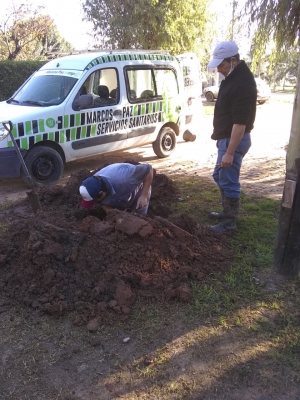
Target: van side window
84,99
141,84
145,84
105,88
100,89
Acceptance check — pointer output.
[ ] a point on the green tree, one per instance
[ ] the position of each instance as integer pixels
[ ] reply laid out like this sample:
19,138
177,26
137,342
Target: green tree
278,19
274,46
51,41
272,64
181,26
25,33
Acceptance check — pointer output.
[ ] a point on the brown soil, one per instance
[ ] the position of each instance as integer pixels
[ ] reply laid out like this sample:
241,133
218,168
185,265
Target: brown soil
68,259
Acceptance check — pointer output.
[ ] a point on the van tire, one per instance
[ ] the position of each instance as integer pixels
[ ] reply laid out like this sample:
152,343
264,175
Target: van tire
44,165
209,97
165,142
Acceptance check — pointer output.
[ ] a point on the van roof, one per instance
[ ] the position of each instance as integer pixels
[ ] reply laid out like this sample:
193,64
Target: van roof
84,60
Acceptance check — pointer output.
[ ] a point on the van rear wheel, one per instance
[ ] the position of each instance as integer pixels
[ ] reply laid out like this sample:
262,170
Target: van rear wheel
165,142
44,164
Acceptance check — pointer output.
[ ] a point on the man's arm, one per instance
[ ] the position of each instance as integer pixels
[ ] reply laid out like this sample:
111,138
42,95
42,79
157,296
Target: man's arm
237,134
142,200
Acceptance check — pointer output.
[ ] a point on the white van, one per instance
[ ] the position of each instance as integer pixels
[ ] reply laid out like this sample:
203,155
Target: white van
91,103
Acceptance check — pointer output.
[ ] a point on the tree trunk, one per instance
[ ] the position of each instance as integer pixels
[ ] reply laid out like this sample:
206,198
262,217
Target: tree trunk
287,243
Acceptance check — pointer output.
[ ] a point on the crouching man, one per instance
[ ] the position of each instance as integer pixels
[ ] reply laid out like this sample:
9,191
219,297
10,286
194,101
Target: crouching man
122,186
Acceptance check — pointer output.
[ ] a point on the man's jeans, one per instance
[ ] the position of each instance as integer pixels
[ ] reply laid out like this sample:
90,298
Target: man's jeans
228,178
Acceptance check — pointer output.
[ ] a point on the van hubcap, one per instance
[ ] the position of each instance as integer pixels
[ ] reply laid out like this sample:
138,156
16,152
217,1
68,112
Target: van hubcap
167,143
43,167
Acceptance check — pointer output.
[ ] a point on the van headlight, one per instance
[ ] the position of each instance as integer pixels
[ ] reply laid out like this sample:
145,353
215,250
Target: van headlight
3,132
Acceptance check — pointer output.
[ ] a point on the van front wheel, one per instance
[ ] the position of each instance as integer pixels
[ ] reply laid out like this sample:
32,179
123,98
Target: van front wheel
165,143
44,165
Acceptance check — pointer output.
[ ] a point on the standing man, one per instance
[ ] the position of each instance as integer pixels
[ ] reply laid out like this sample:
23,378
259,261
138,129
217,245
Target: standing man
234,116
123,186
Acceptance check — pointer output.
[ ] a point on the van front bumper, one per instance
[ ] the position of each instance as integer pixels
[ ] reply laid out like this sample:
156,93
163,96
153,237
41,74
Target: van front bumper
10,165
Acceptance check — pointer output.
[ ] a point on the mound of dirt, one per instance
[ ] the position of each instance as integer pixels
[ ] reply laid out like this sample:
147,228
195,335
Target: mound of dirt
67,259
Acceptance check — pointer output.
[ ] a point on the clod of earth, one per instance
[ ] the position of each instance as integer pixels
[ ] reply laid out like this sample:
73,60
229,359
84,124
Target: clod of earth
68,259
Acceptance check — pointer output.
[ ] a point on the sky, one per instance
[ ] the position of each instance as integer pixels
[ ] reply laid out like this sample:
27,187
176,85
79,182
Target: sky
67,16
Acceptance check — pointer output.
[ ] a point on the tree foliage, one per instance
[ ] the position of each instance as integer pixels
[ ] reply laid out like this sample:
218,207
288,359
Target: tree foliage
25,33
275,43
279,19
184,25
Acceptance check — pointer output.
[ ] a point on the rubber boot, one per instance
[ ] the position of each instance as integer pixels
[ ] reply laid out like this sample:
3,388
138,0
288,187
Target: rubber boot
231,209
221,214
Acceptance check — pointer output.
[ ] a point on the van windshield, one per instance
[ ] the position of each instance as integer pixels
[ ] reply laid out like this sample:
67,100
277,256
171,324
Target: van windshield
44,91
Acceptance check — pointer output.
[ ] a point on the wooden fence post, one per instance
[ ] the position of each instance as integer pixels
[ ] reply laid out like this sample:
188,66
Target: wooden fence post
287,243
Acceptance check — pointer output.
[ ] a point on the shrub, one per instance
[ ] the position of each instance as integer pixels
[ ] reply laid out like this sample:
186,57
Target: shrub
14,73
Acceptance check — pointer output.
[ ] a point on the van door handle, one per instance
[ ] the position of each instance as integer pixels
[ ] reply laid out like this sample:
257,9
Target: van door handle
117,113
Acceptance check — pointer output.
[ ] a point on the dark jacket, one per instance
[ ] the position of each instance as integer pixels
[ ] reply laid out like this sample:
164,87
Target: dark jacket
236,102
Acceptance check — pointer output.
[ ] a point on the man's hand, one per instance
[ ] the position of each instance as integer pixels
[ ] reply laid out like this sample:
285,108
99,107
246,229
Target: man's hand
141,202
227,160
237,134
